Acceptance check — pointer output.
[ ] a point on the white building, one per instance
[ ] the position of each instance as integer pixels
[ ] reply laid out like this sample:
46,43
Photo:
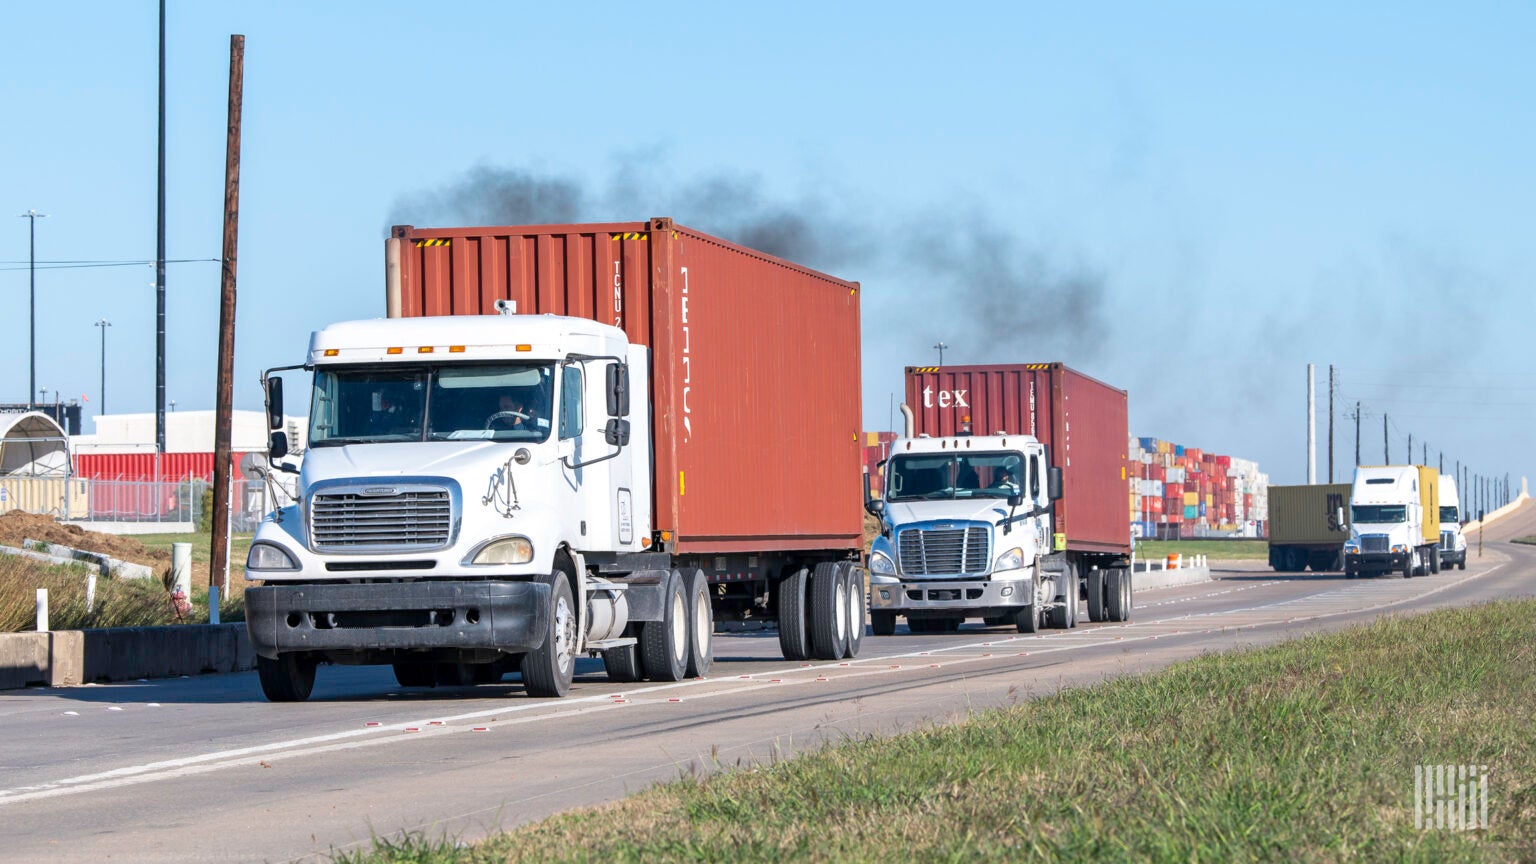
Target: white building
185,432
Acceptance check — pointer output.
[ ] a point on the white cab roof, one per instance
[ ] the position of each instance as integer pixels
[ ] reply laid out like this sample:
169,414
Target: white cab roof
481,337
1387,484
962,444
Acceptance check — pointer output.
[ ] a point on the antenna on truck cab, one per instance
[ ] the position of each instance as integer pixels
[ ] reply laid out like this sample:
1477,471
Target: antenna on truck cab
506,307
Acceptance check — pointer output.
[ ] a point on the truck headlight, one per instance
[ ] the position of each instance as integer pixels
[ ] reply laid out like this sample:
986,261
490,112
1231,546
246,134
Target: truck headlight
269,556
881,563
1013,559
507,550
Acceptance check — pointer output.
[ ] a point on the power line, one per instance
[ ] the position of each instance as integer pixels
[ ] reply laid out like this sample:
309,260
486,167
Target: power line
82,265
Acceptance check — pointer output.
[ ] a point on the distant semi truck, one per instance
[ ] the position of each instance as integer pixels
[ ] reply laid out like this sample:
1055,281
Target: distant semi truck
1453,544
1013,524
1305,529
1394,521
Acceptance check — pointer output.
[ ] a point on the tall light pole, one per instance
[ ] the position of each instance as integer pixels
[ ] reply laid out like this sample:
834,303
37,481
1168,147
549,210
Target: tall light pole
160,259
101,406
941,346
32,216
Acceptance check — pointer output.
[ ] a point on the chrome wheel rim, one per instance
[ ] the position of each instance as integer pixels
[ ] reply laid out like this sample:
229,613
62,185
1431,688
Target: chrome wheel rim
679,628
565,635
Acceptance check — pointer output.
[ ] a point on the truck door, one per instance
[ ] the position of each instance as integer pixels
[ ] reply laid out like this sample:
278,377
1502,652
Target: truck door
596,489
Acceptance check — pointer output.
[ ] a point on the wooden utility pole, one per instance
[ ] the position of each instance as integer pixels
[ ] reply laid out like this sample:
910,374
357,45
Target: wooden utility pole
1330,422
224,400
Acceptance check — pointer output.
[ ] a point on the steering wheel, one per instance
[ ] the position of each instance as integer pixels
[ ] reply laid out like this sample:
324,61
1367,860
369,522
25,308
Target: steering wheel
503,415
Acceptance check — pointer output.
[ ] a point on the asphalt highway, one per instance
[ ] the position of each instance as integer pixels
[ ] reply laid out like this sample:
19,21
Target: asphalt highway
203,769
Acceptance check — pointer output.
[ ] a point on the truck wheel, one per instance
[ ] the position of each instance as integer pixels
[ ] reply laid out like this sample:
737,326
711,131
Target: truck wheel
1462,564
415,674
1095,595
623,664
1118,590
829,612
1408,564
701,626
1350,572
1434,561
289,678
1027,620
664,643
549,668
882,623
794,641
853,586
1064,617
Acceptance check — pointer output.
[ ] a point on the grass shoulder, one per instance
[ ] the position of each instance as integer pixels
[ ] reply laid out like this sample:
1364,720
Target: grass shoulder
1215,549
1303,751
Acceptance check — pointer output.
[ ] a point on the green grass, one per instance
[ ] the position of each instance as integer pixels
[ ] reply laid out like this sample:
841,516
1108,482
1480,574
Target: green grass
1302,752
118,602
1217,549
1529,540
201,541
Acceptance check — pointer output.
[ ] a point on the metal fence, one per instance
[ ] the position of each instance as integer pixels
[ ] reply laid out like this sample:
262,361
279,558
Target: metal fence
171,502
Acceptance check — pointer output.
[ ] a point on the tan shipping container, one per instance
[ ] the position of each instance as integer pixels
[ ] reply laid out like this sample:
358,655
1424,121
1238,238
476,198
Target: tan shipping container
1307,514
1429,497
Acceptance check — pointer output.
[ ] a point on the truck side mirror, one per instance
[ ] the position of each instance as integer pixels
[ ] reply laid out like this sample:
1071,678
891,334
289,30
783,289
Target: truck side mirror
616,432
275,405
1053,483
1016,499
277,448
618,390
1338,518
874,507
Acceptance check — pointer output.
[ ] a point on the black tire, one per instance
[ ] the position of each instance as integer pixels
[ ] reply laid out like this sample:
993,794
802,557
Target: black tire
623,664
289,678
794,638
664,643
853,587
950,625
1350,572
1462,564
1027,620
1064,617
701,626
1095,595
1117,588
416,674
1408,567
1434,561
828,616
882,623
549,668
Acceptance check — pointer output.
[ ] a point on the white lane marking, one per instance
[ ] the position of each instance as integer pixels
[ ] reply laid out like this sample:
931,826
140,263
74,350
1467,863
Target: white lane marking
204,763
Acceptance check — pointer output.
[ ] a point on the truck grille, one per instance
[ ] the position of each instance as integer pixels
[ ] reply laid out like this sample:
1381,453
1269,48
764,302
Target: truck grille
944,551
1374,543
408,519
1448,541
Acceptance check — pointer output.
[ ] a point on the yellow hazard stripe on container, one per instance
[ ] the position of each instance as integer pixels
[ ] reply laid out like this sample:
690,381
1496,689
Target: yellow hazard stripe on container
421,244
630,235
1037,365
925,368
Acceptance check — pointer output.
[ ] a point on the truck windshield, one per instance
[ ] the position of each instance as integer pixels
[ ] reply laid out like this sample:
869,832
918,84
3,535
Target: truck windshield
1378,514
1450,514
502,402
935,476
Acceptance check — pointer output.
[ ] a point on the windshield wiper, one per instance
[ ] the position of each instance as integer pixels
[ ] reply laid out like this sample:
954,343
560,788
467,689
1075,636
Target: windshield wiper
361,439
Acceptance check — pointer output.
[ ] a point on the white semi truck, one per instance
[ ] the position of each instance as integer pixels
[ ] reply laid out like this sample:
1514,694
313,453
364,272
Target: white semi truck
484,494
1394,521
1453,544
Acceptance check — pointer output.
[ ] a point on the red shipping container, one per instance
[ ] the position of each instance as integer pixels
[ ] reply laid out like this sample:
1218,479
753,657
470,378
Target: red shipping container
1154,505
754,363
1081,421
141,466
1157,472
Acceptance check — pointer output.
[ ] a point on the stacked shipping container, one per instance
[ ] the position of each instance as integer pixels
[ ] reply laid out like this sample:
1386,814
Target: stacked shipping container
1180,491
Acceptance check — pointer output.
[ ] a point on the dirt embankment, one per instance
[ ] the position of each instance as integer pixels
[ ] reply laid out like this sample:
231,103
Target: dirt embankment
16,526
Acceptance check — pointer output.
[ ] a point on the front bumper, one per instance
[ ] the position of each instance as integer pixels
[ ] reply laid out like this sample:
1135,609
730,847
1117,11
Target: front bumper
1376,560
1457,556
959,594
507,616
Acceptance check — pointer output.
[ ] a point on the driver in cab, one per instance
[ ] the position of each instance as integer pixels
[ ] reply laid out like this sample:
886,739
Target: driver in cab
515,412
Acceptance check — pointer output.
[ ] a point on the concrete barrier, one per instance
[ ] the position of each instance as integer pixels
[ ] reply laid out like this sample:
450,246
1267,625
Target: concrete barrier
1146,579
70,657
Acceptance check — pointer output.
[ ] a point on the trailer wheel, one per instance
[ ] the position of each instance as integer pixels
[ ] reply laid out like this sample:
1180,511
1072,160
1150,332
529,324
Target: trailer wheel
882,623
289,678
664,643
701,626
853,587
1095,595
415,674
794,641
828,612
623,664
1117,587
549,668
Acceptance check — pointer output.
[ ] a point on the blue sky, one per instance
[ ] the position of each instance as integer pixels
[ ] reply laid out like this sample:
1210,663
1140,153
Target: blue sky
1242,190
